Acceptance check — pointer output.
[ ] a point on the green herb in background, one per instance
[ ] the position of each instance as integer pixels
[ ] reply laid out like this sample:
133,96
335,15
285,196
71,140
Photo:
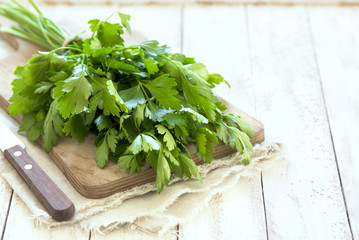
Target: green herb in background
144,103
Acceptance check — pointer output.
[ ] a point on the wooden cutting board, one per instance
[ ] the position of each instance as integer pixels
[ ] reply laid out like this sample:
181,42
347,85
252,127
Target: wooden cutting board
76,161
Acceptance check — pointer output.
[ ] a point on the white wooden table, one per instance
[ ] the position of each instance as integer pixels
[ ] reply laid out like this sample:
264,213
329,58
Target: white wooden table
297,70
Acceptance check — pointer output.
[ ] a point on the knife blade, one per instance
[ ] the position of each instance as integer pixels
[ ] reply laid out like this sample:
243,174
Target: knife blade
54,200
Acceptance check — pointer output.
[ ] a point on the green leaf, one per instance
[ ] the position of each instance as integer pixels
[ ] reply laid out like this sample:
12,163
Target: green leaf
200,70
102,154
124,21
132,97
59,76
195,115
236,120
77,91
136,145
92,45
167,137
189,167
110,34
123,67
102,52
36,68
162,90
124,162
112,138
94,24
129,162
163,173
19,105
245,127
105,142
205,138
75,127
43,87
138,114
144,143
216,79
28,120
150,65
103,122
35,131
155,112
52,127
174,119
152,48
149,143
112,102
222,132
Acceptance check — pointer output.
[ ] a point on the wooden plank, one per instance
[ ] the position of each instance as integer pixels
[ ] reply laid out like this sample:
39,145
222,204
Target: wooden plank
5,190
5,198
336,36
303,200
217,36
129,233
20,226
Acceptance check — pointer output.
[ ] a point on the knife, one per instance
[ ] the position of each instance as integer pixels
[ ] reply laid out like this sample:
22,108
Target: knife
54,200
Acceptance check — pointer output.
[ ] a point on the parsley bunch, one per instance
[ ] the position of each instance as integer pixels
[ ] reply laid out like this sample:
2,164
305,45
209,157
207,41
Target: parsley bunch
144,103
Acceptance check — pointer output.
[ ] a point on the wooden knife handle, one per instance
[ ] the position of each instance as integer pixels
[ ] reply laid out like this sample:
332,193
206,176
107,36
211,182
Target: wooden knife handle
57,204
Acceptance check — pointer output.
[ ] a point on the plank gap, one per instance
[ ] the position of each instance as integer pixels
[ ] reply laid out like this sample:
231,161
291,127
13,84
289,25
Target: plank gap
250,55
264,208
7,215
327,116
178,232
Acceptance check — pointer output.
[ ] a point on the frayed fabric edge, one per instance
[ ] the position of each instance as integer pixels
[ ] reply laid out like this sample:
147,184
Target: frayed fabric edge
265,151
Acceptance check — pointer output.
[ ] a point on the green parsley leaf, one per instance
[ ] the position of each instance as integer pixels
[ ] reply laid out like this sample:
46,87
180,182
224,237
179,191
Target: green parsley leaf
124,21
162,90
76,90
163,173
132,97
112,102
144,143
167,137
53,126
110,34
150,65
76,128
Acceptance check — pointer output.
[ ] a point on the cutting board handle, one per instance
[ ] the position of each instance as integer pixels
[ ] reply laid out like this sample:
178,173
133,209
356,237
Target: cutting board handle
57,204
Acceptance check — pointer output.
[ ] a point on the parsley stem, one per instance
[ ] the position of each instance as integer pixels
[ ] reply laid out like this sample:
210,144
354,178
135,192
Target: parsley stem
143,89
67,48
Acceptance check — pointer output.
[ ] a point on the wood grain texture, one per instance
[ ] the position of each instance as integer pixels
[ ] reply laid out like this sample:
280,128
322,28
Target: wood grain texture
54,200
20,226
237,213
129,233
304,199
5,197
336,37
